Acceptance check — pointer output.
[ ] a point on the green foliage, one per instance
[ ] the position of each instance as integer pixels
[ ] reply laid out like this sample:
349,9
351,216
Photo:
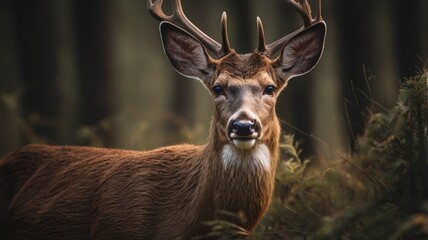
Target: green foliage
289,207
380,192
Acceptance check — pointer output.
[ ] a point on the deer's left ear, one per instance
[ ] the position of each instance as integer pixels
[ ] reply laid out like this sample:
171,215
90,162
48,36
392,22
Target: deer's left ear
302,52
187,54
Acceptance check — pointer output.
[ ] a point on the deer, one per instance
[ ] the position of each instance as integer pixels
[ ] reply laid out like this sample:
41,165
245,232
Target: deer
78,192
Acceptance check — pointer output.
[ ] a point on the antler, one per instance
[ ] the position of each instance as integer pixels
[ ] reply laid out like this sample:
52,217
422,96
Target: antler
304,9
155,8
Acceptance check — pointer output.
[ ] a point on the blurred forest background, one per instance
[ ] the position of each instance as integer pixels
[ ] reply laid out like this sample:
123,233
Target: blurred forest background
93,72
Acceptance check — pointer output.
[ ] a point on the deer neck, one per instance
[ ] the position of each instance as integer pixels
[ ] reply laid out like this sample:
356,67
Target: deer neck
237,181
261,158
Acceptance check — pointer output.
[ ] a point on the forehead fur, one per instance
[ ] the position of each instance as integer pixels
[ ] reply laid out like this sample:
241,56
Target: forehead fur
244,65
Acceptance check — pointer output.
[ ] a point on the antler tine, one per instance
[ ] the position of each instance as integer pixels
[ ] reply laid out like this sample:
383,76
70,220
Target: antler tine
262,43
304,9
319,16
155,8
225,46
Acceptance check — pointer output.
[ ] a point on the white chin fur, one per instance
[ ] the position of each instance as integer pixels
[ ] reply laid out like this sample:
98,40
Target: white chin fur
237,160
244,144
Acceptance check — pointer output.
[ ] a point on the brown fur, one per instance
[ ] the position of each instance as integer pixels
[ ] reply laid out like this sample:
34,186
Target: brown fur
244,66
64,192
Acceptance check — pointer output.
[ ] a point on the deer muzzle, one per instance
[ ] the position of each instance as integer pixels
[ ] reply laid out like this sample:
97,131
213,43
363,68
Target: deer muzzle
243,130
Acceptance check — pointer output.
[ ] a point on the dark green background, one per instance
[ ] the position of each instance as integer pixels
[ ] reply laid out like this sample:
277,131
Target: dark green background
93,72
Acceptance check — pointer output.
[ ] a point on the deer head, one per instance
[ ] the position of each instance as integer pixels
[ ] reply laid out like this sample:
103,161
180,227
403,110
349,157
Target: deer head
244,86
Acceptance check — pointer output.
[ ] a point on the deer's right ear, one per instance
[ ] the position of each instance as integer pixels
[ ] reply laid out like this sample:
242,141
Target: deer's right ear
187,54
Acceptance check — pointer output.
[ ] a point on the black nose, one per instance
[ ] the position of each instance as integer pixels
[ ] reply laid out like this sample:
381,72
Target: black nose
242,128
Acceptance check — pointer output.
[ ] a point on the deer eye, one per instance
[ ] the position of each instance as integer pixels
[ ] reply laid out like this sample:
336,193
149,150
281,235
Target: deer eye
218,90
269,90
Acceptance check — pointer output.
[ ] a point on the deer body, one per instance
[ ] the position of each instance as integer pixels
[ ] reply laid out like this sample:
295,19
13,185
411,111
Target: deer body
65,192
160,194
109,198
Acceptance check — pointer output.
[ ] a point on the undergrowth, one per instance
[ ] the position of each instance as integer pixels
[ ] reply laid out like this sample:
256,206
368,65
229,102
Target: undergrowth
379,192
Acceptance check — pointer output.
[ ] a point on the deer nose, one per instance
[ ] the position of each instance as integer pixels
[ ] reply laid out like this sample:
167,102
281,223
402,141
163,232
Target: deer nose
243,129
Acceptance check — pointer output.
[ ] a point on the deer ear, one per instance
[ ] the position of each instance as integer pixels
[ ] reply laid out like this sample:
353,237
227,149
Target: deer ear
188,55
302,52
